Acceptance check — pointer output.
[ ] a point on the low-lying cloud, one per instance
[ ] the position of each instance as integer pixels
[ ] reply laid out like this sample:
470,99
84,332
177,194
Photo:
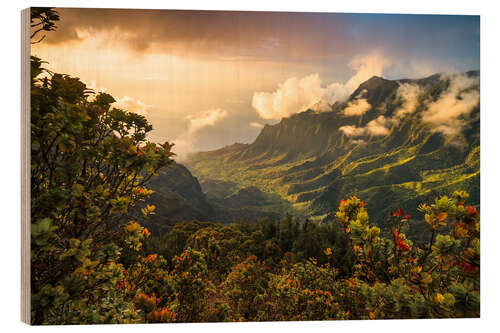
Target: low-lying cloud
376,127
297,95
447,115
184,143
351,130
379,126
409,94
356,107
256,124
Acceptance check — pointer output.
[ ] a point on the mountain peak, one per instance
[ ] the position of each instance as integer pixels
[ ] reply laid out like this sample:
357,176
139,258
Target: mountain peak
375,78
373,81
375,89
311,163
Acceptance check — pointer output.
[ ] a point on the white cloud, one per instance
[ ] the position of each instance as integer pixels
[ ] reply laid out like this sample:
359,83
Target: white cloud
356,107
446,114
296,95
321,106
358,141
184,143
350,130
376,127
256,125
93,85
204,119
409,93
365,67
132,105
125,103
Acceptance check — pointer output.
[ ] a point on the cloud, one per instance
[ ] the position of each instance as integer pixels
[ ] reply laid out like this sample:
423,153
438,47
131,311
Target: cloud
256,125
125,103
376,127
448,113
185,142
415,67
204,119
321,106
380,126
409,93
350,130
358,141
296,95
365,67
132,105
356,107
228,35
93,85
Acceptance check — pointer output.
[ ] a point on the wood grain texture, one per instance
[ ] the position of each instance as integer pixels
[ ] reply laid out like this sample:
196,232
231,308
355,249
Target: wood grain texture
25,167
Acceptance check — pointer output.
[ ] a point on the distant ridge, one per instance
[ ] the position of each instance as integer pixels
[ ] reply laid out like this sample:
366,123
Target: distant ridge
309,162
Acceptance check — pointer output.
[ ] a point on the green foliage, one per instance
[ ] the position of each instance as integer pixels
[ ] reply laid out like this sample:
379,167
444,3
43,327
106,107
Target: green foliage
311,164
191,284
305,292
246,289
414,282
89,164
91,263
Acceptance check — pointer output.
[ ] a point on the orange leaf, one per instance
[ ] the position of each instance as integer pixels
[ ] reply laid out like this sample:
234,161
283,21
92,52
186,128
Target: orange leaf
442,216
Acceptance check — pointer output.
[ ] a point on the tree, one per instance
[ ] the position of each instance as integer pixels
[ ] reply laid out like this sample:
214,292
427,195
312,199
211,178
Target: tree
42,19
90,163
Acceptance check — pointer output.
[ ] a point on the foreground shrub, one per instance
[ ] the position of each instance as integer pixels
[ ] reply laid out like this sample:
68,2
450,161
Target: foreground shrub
89,164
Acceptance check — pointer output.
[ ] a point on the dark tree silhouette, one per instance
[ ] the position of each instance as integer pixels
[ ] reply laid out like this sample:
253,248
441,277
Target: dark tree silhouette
42,19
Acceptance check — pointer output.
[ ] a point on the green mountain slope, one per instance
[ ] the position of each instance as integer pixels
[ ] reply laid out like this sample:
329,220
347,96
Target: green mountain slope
311,164
177,196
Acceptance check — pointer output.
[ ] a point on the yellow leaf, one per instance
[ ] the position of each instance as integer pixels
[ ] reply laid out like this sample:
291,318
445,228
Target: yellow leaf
460,231
439,298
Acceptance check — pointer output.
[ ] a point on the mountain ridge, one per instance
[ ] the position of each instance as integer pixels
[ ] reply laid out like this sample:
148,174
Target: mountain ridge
308,161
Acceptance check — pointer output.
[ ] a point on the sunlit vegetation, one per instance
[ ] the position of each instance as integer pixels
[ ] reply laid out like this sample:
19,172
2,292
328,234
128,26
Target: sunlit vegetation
311,164
92,264
92,261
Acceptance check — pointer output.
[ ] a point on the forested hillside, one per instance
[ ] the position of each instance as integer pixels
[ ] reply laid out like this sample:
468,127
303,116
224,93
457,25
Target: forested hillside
383,145
179,196
93,261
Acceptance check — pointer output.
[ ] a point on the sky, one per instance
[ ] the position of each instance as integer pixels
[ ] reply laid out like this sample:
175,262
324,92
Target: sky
207,79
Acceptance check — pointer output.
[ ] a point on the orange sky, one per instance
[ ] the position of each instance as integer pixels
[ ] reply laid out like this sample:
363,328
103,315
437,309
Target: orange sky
180,67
